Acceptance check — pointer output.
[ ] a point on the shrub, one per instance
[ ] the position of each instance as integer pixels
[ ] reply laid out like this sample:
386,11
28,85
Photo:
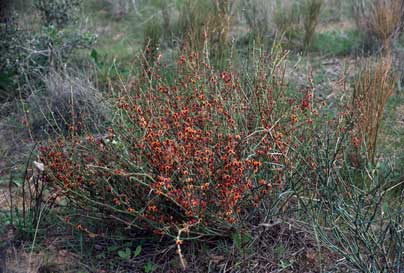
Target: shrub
43,51
200,151
206,25
57,13
25,56
355,210
11,37
287,20
5,7
257,15
121,8
354,213
382,20
297,21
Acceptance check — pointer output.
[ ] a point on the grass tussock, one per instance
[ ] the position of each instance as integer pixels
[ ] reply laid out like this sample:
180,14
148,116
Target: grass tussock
374,87
67,99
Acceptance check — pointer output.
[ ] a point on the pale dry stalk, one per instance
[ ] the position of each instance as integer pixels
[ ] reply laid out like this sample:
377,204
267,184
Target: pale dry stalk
372,90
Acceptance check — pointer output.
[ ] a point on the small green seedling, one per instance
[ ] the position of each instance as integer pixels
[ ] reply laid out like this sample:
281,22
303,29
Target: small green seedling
149,267
241,239
285,264
125,254
137,251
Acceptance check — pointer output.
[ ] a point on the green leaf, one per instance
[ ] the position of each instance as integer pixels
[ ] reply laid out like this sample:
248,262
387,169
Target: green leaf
149,267
5,79
94,55
137,250
385,207
280,250
241,239
101,256
112,248
285,264
237,239
125,254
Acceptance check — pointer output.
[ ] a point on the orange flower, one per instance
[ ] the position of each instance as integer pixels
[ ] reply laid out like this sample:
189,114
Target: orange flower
257,163
205,186
294,118
152,208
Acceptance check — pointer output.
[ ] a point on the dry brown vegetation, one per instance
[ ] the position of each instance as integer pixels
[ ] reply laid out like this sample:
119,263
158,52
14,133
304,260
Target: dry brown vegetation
375,84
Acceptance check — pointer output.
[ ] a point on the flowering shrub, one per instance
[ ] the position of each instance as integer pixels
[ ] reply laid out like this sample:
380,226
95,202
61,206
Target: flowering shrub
201,149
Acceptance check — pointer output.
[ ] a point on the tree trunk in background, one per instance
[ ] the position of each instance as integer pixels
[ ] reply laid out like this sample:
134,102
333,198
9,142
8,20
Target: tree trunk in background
337,4
123,7
5,7
135,6
2,260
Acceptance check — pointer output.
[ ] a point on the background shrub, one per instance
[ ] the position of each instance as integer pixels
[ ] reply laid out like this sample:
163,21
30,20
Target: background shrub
11,37
297,21
57,13
257,15
287,19
27,55
381,19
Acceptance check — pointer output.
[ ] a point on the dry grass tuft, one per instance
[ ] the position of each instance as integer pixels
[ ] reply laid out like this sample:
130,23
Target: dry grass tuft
68,98
206,21
372,90
49,260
